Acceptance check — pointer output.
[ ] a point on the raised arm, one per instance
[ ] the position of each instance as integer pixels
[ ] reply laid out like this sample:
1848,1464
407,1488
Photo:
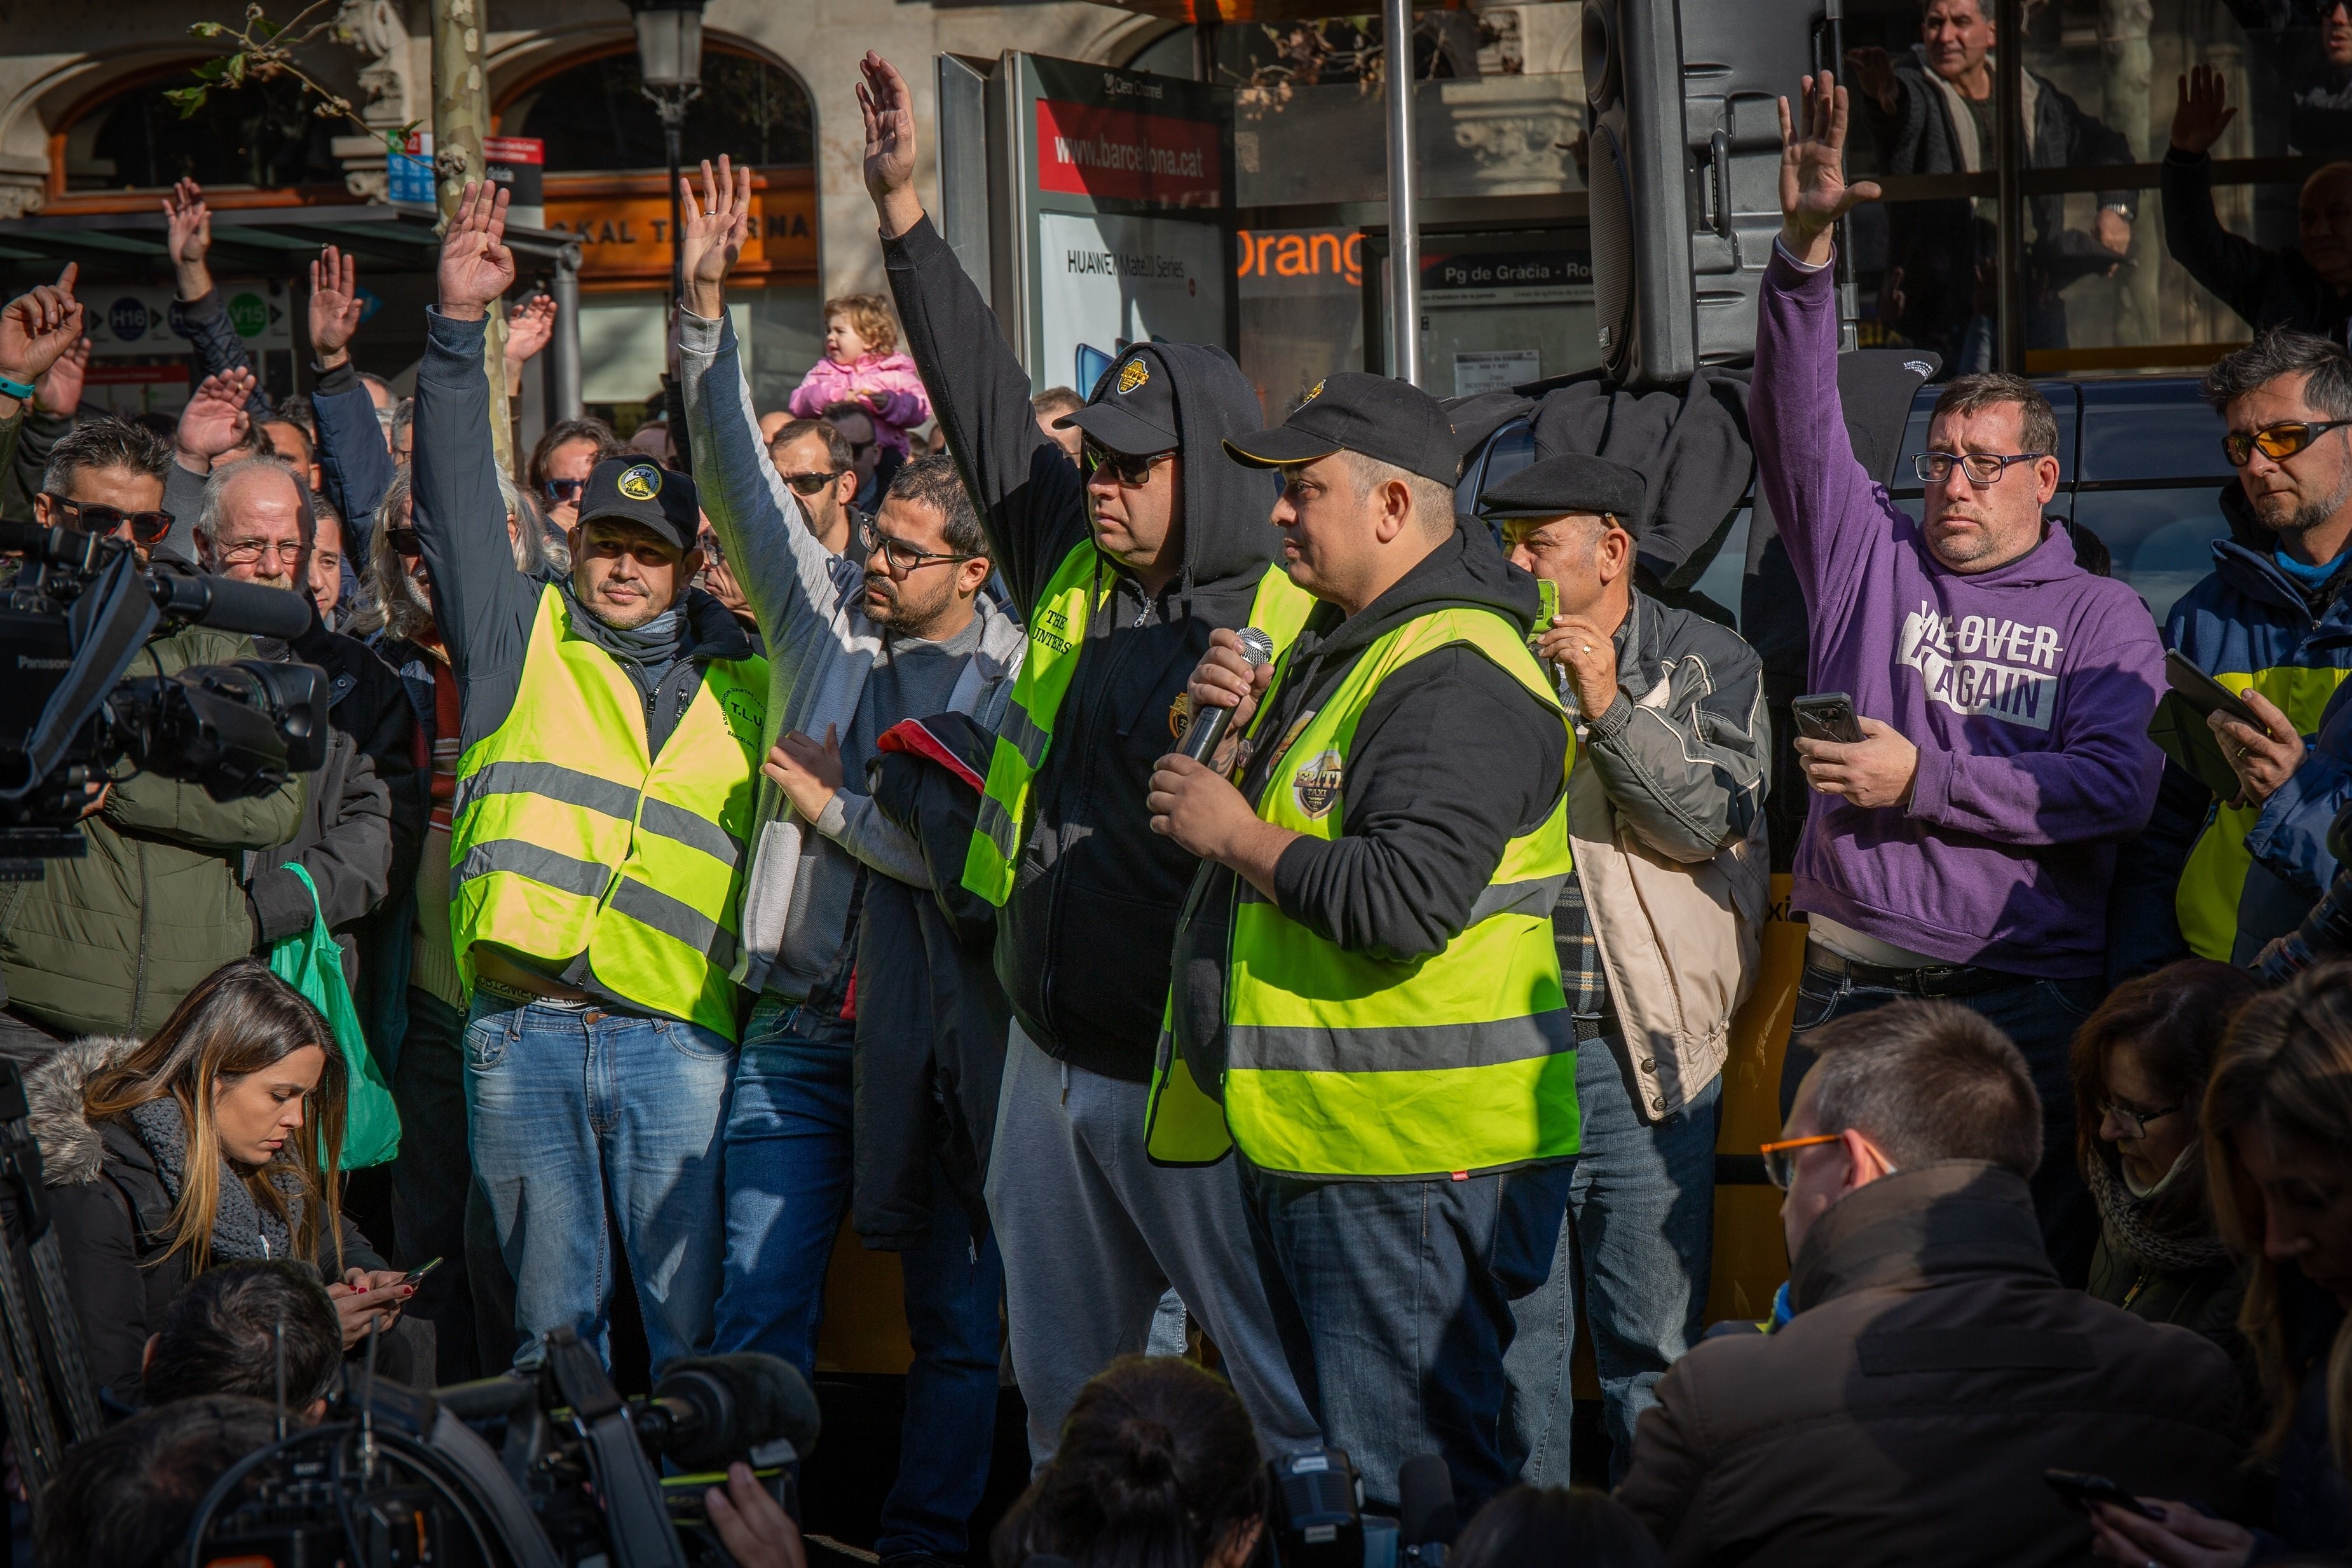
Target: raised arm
1031,500
483,604
355,464
2232,267
1804,459
787,576
188,233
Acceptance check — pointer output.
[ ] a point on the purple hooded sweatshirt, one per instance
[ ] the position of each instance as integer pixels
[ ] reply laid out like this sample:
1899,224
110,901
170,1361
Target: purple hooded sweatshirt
2027,690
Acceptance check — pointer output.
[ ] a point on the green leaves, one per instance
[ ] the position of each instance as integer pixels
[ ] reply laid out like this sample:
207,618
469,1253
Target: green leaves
187,99
269,51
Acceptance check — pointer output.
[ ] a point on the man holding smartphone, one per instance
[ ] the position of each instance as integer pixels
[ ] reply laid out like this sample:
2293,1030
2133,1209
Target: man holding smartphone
1964,847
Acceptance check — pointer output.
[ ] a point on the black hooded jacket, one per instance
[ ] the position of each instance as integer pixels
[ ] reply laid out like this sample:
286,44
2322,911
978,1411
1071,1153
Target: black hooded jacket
1082,943
1452,759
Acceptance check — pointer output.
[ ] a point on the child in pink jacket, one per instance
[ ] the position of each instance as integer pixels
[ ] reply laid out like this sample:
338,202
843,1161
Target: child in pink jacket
862,365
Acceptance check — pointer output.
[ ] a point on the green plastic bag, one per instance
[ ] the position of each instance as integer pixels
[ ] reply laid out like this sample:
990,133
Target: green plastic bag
314,965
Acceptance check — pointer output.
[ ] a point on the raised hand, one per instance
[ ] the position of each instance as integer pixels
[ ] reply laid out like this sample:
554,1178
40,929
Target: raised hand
718,221
215,422
188,232
1872,70
37,329
476,265
335,306
1813,192
530,327
60,392
2202,115
887,105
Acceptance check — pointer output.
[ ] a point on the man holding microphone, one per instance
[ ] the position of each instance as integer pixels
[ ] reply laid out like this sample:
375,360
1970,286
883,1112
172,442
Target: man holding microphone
1365,973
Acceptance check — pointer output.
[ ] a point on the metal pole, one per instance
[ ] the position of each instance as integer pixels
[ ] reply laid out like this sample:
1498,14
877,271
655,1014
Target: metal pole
564,352
1404,237
673,119
2008,139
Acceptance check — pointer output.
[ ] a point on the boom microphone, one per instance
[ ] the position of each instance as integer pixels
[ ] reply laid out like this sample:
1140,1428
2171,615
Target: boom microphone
707,1410
1208,726
1426,1519
228,605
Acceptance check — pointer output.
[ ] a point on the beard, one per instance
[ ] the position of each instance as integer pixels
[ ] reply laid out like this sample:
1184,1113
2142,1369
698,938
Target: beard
2301,516
902,614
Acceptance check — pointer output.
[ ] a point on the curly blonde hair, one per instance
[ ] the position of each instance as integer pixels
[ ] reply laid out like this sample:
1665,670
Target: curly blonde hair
870,314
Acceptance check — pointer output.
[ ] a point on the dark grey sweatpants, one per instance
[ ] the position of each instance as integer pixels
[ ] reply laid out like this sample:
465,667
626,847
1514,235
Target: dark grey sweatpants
1093,1233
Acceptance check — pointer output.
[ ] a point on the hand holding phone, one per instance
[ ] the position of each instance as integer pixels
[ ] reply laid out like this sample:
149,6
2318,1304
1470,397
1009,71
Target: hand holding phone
1827,715
420,1272
2081,1489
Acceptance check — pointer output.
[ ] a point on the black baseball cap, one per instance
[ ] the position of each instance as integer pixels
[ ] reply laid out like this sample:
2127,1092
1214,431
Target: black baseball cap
1573,481
1382,418
639,490
1133,409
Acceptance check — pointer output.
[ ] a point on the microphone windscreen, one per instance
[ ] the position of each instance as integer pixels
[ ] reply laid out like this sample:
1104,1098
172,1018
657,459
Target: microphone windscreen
747,1399
1424,1501
257,612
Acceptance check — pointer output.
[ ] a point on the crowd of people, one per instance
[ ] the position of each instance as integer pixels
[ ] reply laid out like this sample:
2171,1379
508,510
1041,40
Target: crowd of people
815,834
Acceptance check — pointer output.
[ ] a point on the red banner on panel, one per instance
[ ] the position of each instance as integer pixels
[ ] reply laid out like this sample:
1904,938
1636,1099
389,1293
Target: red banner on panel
1127,156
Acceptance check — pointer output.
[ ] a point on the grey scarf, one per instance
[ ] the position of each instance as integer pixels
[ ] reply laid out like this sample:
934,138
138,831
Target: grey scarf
2128,1223
241,1228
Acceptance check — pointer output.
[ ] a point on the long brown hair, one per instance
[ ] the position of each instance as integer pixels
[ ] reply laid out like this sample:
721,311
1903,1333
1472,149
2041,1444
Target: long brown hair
239,1019
2174,1021
2285,1072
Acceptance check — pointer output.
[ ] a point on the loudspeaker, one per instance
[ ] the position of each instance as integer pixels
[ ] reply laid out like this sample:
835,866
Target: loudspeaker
1684,168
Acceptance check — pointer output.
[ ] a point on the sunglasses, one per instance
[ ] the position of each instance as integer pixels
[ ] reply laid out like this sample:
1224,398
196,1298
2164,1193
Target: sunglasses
405,543
1781,1158
90,517
563,490
813,484
2276,442
1132,471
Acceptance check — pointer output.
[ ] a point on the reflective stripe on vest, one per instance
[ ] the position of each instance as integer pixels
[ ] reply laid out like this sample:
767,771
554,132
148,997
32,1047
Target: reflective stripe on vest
1057,634
566,838
1342,1064
2214,878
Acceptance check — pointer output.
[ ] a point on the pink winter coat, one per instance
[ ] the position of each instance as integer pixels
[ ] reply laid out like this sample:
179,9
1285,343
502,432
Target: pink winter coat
892,382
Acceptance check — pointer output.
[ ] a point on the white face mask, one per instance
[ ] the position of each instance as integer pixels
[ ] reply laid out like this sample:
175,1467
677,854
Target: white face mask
2194,1150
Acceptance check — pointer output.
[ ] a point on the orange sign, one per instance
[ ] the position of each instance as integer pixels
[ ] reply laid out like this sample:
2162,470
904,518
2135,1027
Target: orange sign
622,223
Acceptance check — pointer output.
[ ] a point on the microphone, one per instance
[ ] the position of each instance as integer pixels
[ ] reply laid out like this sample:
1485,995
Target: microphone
1208,726
707,1410
228,605
1426,1524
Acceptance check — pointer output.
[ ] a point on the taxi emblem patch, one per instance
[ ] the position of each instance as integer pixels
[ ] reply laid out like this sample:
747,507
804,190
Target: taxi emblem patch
1316,786
1133,374
641,481
1179,712
1312,394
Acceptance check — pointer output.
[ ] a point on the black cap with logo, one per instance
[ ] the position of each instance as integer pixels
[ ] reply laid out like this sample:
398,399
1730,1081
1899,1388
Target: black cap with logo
1384,419
1133,409
1573,482
636,490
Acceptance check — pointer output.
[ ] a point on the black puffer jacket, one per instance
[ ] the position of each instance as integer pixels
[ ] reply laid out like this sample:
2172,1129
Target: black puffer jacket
931,1024
113,1218
1082,943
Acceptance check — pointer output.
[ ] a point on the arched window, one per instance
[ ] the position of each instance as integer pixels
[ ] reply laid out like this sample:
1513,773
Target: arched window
261,134
592,117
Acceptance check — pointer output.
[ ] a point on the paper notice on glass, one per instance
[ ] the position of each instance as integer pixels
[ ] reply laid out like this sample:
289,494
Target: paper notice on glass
1495,370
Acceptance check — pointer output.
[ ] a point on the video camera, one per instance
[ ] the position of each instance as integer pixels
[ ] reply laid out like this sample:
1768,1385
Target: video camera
1316,1518
73,620
526,1470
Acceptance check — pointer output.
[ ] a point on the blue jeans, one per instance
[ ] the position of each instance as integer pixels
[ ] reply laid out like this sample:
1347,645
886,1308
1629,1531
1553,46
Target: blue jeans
571,1103
790,1160
2042,1017
1393,1299
1635,1254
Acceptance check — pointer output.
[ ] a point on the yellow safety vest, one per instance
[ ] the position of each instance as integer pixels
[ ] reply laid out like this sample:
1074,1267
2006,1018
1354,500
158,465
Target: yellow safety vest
566,837
1057,634
1342,1064
2214,879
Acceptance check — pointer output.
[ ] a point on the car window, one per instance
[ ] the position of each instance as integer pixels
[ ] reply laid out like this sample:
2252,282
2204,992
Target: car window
2162,540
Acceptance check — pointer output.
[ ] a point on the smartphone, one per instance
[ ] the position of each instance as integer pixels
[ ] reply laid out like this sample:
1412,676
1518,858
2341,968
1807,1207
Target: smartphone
1827,715
2083,1489
2203,693
420,1272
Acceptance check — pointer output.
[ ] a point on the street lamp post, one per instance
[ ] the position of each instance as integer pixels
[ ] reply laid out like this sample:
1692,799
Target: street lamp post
669,61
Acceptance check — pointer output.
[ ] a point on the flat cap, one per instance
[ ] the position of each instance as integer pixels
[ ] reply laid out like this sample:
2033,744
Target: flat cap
1569,483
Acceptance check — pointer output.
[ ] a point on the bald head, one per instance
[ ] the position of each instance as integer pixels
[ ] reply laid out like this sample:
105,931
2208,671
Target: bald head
257,525
2324,221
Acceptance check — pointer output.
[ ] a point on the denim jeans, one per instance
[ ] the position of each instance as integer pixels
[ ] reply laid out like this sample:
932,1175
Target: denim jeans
1393,1299
1635,1254
789,1157
572,1106
2041,1017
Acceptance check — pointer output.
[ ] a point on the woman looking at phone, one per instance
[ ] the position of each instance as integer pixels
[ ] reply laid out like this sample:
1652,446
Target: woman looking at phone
2278,1153
214,1140
2140,1065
